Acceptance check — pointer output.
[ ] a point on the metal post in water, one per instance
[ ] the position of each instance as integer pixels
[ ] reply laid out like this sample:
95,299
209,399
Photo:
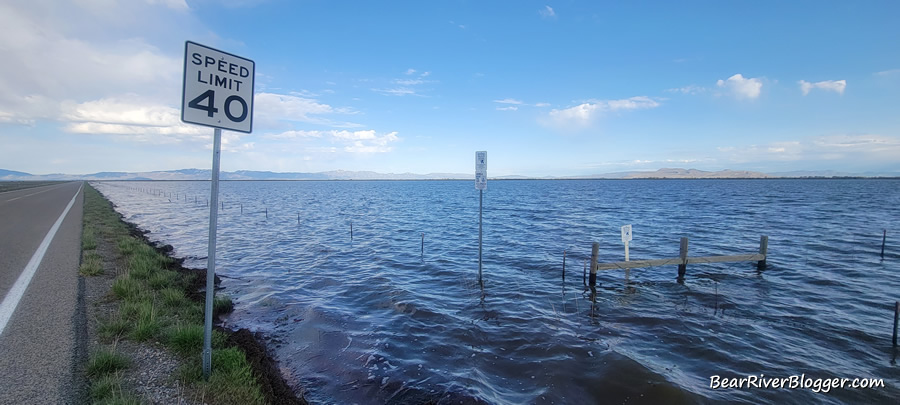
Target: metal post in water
480,206
595,250
267,212
896,316
883,239
423,243
351,230
564,264
211,256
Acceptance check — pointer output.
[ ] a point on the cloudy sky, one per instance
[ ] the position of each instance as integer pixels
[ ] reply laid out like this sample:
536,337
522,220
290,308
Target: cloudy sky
547,88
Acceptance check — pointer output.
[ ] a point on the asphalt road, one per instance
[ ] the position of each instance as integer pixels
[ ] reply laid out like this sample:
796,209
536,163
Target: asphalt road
39,351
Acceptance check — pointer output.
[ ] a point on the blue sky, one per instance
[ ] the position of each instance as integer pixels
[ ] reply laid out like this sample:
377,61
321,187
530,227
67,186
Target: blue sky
547,88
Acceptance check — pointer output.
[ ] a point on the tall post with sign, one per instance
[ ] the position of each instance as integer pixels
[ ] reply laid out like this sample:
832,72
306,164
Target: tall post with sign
626,237
480,185
217,92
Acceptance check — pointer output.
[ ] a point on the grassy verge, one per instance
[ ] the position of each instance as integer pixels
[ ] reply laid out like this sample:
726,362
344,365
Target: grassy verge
153,306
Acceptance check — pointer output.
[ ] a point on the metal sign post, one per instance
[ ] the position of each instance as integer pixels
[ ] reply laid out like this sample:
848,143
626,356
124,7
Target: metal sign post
211,255
217,92
480,185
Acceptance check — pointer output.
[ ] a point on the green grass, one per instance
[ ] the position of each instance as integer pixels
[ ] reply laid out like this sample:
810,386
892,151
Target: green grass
222,305
163,279
105,362
114,328
107,390
126,288
231,380
91,264
187,339
88,238
172,298
153,307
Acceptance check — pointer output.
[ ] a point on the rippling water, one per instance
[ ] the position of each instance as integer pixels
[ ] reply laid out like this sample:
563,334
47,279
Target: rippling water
379,319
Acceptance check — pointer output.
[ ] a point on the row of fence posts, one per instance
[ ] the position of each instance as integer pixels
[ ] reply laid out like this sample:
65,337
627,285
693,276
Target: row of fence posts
595,247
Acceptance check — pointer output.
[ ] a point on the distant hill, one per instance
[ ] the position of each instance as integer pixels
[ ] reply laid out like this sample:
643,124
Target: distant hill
697,174
11,174
204,174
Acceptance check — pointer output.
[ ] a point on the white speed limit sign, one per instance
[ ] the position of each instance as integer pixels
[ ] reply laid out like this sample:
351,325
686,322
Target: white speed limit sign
218,88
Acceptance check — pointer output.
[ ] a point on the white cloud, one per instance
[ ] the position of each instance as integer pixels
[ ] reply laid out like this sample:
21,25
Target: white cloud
850,148
408,82
122,111
542,105
407,86
690,89
508,108
887,73
173,4
584,114
374,144
509,101
294,135
741,87
397,91
62,54
547,12
270,109
836,86
633,103
363,141
132,119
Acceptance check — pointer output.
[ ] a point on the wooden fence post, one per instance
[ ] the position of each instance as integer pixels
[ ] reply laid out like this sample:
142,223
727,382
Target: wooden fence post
763,250
683,253
595,250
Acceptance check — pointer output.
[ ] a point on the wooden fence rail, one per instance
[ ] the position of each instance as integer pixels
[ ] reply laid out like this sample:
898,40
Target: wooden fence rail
681,261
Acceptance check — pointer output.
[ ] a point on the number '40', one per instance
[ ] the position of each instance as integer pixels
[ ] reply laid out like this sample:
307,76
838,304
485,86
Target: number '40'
210,97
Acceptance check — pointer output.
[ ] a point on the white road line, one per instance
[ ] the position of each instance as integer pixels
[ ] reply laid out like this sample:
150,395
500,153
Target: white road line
11,301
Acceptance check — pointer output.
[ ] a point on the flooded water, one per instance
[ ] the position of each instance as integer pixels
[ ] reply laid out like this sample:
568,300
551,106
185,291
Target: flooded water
386,318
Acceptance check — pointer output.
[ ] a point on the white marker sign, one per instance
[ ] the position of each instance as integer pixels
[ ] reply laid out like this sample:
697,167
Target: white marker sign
626,234
218,89
481,170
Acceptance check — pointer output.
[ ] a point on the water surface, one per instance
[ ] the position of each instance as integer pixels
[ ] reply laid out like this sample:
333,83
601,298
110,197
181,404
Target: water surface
380,319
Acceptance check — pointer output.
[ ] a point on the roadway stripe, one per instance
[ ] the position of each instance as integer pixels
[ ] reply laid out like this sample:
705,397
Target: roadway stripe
18,289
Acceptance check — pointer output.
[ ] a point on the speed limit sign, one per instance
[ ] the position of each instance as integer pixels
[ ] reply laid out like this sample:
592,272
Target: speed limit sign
218,89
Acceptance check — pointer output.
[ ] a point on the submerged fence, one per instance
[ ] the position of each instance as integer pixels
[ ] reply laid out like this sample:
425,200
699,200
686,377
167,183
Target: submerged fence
682,260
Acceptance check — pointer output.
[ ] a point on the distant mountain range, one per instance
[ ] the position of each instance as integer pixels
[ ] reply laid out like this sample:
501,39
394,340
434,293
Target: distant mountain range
203,174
